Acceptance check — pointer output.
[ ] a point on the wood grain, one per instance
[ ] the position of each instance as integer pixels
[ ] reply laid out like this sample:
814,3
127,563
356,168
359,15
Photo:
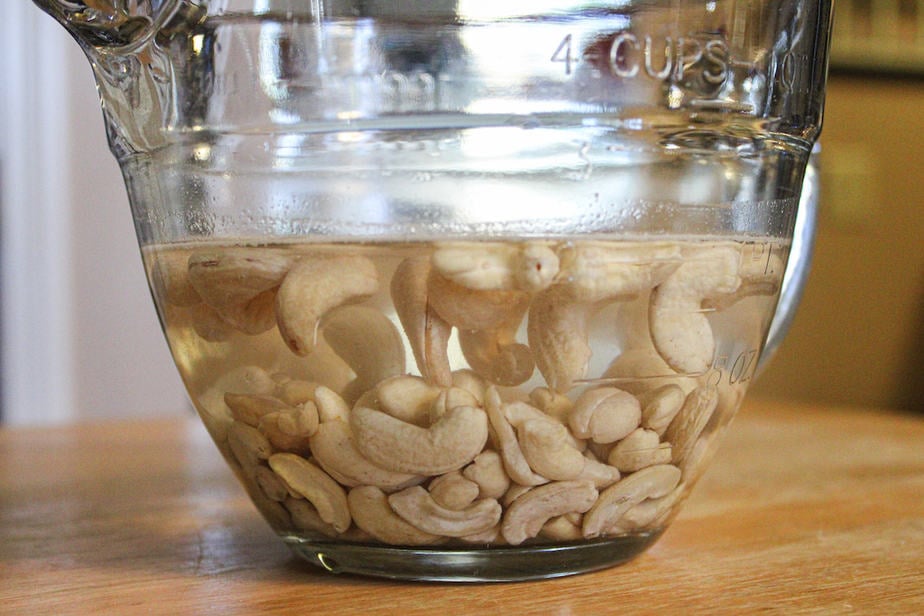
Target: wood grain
804,509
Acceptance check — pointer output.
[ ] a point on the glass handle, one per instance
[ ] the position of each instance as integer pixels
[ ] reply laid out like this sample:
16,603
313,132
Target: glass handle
800,258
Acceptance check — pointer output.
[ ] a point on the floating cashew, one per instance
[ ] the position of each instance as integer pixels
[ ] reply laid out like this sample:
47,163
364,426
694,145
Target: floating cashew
449,444
239,284
372,513
480,266
250,408
453,490
314,286
427,332
170,279
651,482
594,272
761,274
605,415
314,485
497,356
680,330
368,342
208,324
487,470
335,451
640,449
294,392
515,463
527,514
557,334
685,429
470,382
418,508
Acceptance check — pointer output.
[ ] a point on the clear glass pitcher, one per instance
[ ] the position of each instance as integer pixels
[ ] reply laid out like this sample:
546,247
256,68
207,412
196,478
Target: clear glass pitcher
465,290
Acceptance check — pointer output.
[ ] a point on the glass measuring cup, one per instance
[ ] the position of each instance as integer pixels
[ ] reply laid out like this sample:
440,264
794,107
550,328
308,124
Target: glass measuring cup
463,290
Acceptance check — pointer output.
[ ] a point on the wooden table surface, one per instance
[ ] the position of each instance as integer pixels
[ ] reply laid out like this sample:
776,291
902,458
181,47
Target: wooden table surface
804,509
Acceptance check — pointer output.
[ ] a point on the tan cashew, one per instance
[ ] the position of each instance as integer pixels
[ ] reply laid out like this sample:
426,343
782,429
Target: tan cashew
368,342
453,490
496,355
427,332
330,405
527,514
170,279
288,429
240,284
372,513
449,399
561,528
600,474
270,484
685,429
605,415
248,445
481,266
640,449
660,406
680,330
515,463
761,274
470,382
557,335
313,287
408,398
594,271
250,408
316,486
551,403
306,517
550,450
335,451
449,444
650,482
648,514
487,470
418,508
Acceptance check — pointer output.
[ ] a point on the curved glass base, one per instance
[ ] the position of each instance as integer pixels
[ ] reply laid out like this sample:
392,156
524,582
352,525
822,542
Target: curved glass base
495,564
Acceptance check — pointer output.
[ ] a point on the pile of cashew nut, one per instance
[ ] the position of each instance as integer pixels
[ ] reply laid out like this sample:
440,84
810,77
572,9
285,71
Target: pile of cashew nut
519,445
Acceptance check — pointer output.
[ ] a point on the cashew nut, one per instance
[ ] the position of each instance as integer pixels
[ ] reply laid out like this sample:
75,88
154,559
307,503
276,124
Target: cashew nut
408,398
330,405
605,415
449,444
497,356
288,429
557,334
314,485
470,382
170,279
270,484
480,266
368,342
418,508
239,284
549,449
248,445
650,482
515,463
561,528
680,330
685,429
449,399
453,490
640,449
313,287
250,408
600,474
527,514
551,403
660,406
487,470
372,513
335,451
597,271
427,332
306,517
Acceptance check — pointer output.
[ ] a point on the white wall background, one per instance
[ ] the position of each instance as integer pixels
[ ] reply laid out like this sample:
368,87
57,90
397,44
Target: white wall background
80,338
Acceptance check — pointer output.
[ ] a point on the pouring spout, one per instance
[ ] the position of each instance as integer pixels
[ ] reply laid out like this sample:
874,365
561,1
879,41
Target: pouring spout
113,24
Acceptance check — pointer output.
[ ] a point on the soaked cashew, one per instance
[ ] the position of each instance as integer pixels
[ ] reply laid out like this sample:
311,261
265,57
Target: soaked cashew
684,431
250,408
470,382
314,286
248,445
680,330
316,486
613,502
599,271
660,406
170,279
497,356
426,331
518,469
449,399
640,449
335,451
368,342
481,266
527,514
561,528
418,508
551,403
487,471
306,517
406,397
449,444
372,513
557,334
453,490
549,449
289,429
605,415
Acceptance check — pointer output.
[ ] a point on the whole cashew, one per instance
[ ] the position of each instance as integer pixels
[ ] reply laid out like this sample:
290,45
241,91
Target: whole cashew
660,406
487,470
250,408
372,513
600,474
480,266
680,330
650,482
560,528
368,342
549,449
289,429
248,445
427,332
239,284
418,508
453,490
551,403
470,382
515,463
306,517
605,415
170,279
335,451
640,449
313,287
557,334
449,399
496,355
408,398
527,514
449,444
314,485
685,429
